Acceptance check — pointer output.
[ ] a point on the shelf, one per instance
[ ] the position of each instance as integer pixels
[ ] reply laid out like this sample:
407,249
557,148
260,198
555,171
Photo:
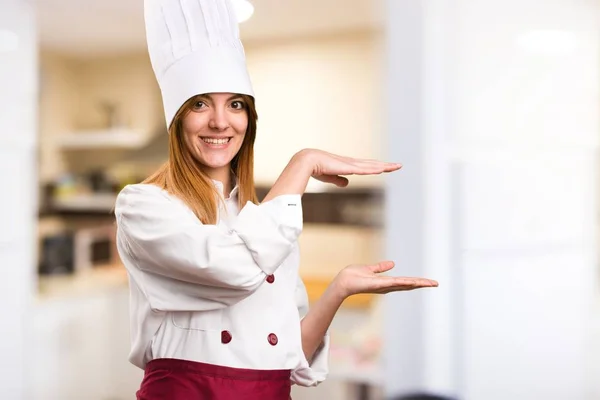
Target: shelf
85,203
103,139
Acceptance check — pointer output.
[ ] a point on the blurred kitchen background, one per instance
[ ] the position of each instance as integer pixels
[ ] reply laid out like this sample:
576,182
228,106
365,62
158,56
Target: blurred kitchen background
492,107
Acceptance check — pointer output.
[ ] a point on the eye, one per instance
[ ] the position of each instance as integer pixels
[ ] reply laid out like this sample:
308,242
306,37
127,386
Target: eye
198,105
238,105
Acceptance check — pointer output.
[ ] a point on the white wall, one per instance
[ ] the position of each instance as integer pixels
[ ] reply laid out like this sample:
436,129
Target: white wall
498,135
321,92
18,125
59,98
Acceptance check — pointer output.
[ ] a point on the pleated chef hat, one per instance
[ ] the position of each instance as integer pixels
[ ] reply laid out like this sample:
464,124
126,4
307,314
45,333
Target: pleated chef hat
194,48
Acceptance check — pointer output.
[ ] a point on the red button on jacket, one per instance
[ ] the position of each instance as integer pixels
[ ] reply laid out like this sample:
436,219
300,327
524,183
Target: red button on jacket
271,278
273,339
225,337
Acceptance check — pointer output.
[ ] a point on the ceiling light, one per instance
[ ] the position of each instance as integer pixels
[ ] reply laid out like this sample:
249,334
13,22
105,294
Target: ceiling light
548,42
9,41
243,9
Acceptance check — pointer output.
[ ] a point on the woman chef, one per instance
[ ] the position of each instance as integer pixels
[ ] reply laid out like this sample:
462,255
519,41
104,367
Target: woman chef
218,310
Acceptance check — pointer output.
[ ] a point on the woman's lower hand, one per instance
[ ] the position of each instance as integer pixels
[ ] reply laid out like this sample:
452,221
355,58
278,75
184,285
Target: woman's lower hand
353,279
330,168
356,279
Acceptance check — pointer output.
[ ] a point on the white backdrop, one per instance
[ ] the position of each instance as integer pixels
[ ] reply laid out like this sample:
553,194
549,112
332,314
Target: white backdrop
494,110
18,125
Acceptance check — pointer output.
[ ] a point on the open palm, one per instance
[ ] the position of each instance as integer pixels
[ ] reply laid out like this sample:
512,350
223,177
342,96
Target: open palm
355,279
330,168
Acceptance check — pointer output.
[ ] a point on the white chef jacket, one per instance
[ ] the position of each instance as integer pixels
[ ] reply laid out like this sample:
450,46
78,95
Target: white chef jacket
227,294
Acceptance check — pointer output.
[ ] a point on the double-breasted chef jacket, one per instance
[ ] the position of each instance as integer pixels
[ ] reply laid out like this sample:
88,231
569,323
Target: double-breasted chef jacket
228,294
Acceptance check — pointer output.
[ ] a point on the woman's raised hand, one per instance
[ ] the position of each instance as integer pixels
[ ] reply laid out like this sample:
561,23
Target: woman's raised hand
356,279
331,168
325,167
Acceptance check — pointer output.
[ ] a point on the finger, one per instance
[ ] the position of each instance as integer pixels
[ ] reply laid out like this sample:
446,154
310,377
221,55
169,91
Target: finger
362,168
382,266
369,161
337,180
341,181
383,166
414,282
393,167
380,164
357,168
403,283
353,160
366,167
401,289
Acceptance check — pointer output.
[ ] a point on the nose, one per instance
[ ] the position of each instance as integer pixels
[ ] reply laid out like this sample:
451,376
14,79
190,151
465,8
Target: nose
218,120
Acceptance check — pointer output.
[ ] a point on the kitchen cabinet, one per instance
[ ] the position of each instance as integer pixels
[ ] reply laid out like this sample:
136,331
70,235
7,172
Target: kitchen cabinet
80,344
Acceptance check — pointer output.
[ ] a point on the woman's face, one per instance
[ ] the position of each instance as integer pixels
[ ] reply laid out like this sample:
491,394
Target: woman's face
214,129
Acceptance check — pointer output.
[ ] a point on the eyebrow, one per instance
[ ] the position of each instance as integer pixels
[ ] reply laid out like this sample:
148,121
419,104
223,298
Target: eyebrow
235,96
209,97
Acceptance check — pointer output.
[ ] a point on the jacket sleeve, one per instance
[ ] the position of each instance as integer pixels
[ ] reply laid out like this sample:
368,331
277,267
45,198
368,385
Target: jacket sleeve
182,264
314,372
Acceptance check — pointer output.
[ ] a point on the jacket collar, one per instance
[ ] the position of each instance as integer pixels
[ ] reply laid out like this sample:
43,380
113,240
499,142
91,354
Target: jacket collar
220,188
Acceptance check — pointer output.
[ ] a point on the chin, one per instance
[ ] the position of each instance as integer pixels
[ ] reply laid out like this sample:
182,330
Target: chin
214,163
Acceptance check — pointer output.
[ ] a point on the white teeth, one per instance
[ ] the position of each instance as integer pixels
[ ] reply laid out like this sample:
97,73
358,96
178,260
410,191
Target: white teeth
216,141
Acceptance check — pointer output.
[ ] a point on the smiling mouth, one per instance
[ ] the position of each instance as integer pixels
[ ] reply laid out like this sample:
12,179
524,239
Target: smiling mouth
215,141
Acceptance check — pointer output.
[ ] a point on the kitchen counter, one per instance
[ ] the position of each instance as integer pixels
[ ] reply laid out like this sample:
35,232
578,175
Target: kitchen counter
317,284
114,275
99,279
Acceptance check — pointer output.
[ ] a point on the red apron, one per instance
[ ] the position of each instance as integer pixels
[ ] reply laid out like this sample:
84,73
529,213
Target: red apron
170,379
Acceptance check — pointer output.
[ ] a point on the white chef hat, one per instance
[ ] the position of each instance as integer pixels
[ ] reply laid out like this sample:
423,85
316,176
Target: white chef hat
194,48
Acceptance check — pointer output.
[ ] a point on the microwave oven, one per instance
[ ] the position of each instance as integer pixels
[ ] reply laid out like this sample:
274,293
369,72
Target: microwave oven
95,247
